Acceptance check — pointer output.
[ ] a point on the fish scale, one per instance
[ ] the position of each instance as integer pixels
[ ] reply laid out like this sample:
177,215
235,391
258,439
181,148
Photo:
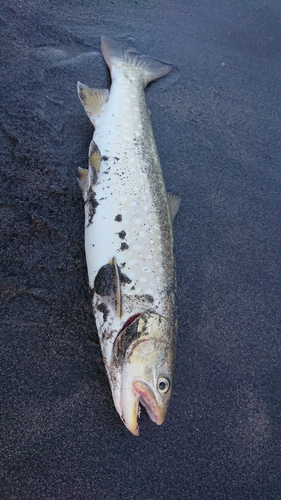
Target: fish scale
128,237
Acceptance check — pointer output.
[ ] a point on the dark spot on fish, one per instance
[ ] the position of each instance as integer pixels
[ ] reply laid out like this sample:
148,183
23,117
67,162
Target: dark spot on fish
93,203
105,158
106,332
124,246
133,287
124,278
104,280
104,309
115,158
118,218
122,234
123,264
149,298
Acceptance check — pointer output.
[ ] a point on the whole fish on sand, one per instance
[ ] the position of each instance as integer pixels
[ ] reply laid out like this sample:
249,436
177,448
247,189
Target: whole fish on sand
129,238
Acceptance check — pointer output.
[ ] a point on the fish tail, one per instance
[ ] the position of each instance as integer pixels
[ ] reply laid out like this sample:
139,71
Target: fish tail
116,55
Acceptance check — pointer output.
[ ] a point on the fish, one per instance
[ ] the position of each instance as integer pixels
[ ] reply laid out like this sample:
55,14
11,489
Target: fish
129,237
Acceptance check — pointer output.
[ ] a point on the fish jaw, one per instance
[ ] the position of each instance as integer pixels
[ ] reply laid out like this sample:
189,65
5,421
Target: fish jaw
134,393
130,416
147,399
129,406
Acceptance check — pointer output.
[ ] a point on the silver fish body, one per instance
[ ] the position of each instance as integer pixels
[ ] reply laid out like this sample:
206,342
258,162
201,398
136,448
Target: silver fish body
129,238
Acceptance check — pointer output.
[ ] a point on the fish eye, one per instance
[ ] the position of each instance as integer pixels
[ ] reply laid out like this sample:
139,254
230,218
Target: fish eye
163,385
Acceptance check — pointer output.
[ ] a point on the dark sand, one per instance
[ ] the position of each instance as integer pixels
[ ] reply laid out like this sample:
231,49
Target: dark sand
217,125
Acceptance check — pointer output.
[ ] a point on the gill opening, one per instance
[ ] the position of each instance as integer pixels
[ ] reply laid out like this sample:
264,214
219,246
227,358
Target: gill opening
129,322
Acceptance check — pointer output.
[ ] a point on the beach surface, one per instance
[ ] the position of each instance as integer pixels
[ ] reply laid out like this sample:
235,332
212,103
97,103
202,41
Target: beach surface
217,121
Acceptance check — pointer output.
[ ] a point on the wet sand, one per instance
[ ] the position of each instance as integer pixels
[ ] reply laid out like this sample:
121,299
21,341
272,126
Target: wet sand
217,122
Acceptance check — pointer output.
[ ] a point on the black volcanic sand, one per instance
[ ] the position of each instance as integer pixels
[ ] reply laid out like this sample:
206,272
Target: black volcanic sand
217,125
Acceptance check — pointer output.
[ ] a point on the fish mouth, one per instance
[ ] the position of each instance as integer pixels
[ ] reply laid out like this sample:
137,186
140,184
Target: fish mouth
140,393
146,397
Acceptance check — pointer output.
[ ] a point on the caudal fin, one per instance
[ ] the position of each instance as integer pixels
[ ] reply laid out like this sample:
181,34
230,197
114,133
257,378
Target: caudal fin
116,55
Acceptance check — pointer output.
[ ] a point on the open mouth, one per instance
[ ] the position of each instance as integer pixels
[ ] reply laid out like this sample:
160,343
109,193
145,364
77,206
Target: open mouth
138,394
147,399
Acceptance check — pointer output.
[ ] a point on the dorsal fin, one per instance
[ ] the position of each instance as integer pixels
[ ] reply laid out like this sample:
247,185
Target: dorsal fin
92,100
174,204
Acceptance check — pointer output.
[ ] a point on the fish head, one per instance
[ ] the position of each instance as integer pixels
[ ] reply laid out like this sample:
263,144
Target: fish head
146,347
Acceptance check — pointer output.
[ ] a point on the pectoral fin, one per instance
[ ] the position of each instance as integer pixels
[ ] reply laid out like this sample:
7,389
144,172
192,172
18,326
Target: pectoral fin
92,100
174,204
117,288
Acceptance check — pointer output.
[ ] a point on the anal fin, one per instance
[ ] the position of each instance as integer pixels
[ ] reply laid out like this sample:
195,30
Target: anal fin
94,161
94,166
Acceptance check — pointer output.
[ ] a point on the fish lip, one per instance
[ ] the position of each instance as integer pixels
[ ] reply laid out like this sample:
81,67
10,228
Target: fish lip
146,397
